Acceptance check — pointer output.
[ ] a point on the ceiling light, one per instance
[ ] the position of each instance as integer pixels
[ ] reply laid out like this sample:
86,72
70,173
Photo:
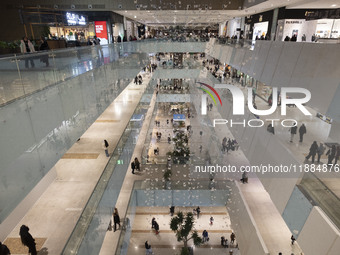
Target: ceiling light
333,5
125,11
135,16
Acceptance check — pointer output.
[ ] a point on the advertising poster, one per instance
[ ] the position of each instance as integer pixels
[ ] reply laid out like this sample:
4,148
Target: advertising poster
101,32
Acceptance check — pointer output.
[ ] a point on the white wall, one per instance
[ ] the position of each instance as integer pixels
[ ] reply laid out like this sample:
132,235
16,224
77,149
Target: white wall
290,64
319,235
232,26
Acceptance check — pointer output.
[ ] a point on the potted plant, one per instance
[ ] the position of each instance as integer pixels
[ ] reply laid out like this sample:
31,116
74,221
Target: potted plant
183,226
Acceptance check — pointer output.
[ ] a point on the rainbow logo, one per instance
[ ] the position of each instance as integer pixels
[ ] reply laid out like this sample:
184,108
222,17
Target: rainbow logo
209,93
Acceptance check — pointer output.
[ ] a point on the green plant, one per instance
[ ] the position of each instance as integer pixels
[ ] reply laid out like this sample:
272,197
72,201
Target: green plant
3,45
183,226
46,31
181,151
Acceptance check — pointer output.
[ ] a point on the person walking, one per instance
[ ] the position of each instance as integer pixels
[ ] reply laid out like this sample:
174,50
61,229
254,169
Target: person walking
27,47
292,238
148,248
28,240
302,131
198,211
312,151
106,148
320,152
232,238
211,220
205,236
133,167
137,164
292,133
155,225
116,219
244,178
337,155
331,154
172,210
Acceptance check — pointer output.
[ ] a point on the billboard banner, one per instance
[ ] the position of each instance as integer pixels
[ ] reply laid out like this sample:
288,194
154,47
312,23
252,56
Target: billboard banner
101,31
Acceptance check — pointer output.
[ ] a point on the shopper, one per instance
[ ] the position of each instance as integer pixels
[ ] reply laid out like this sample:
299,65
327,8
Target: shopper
321,150
331,154
133,166
106,148
116,219
302,131
198,211
27,47
44,46
155,225
137,164
312,151
244,178
232,238
172,210
4,249
205,236
292,133
337,155
28,240
270,129
148,248
211,220
292,238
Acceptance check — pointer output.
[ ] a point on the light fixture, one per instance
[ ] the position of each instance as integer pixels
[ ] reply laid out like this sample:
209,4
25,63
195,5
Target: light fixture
333,5
135,16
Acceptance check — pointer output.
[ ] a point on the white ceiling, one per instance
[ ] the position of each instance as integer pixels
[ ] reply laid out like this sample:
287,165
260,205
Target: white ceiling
196,17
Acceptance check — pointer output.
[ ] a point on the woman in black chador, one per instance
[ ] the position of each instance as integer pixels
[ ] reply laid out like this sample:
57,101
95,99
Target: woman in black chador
27,240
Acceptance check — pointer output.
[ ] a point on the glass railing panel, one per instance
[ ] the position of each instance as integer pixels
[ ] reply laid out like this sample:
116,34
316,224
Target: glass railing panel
89,232
40,122
21,167
11,86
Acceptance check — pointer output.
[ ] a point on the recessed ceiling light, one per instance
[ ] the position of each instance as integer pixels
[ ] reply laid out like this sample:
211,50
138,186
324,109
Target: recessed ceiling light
135,16
333,5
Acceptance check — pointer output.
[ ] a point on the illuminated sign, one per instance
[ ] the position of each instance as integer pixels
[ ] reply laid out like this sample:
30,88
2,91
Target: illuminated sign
101,31
75,19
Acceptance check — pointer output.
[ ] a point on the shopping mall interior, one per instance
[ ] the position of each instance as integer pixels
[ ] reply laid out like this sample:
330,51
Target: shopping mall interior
170,127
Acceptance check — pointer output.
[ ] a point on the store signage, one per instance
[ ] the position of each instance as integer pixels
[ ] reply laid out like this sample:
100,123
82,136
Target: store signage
101,31
75,19
293,22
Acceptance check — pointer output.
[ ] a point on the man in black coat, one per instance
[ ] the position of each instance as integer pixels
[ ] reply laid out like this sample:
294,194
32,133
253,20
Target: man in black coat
302,131
312,151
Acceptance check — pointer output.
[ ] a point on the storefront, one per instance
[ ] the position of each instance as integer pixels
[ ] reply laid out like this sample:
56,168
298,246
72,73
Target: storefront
260,30
323,28
76,27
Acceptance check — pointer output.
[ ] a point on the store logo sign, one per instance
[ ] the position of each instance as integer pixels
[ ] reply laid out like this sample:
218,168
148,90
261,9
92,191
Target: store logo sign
239,100
75,19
